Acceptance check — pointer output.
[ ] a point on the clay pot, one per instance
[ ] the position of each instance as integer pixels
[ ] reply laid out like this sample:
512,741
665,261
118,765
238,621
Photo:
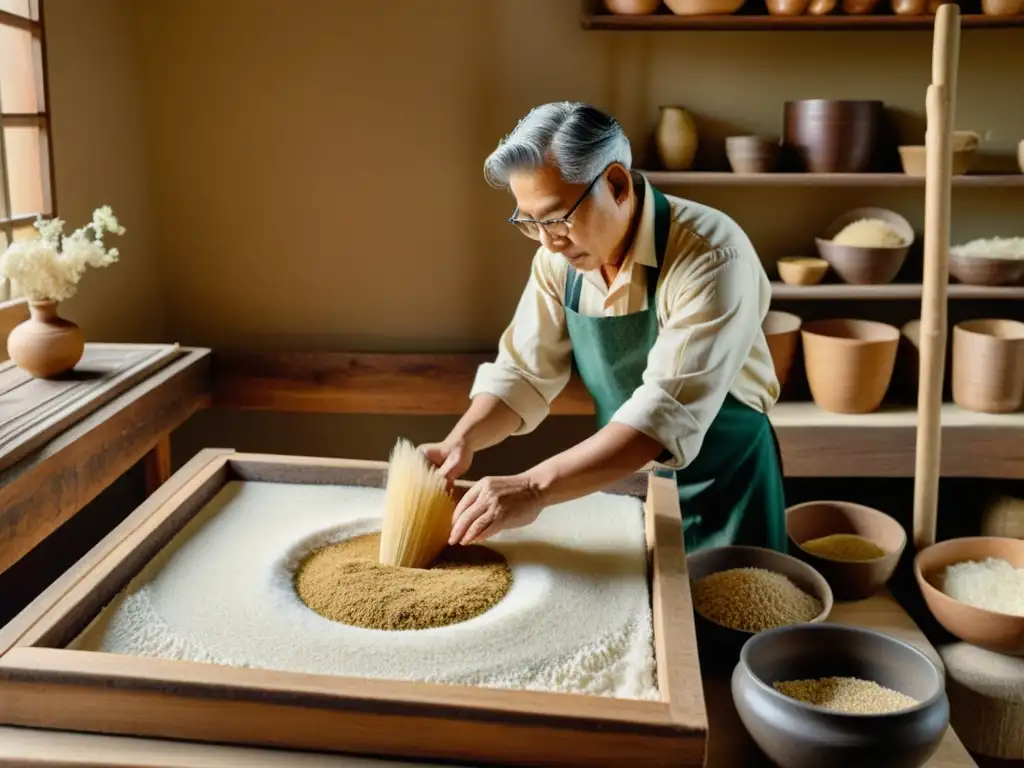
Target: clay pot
796,735
849,363
782,332
859,7
787,7
988,365
982,270
821,7
833,136
849,579
997,632
751,154
632,7
859,265
801,270
1000,7
676,138
46,345
914,159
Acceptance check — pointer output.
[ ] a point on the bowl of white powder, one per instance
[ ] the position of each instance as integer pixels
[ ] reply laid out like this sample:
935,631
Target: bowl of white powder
988,261
974,586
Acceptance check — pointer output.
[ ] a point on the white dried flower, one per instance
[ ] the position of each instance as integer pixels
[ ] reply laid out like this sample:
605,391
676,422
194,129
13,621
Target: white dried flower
50,266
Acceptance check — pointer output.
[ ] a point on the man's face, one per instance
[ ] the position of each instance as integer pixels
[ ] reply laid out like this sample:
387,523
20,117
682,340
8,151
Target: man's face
598,224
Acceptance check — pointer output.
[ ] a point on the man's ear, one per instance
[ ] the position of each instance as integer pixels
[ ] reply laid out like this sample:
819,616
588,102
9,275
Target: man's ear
620,181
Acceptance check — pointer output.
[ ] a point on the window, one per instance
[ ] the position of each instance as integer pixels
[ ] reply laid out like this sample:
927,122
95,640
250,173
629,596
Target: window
26,175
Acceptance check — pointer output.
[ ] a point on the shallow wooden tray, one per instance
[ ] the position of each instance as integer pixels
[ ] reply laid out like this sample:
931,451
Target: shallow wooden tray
43,684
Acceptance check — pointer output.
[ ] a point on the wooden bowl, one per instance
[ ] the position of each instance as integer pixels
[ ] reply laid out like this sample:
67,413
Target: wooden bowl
999,632
831,136
849,579
801,270
866,266
914,160
849,363
782,332
702,7
632,7
751,154
798,735
721,643
984,270
988,365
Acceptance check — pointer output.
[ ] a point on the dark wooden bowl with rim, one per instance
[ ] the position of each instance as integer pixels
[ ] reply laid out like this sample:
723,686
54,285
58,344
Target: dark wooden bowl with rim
833,135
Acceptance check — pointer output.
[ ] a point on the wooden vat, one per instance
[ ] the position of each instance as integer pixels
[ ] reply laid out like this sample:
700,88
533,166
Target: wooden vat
44,684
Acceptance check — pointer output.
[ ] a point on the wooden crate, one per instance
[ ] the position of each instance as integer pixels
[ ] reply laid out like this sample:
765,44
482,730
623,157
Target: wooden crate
44,684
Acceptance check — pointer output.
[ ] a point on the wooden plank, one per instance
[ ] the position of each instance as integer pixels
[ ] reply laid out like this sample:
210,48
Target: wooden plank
33,410
39,493
675,639
669,179
729,745
158,464
890,292
34,612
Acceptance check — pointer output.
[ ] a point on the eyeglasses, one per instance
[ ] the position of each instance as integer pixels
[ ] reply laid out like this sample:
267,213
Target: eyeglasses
556,228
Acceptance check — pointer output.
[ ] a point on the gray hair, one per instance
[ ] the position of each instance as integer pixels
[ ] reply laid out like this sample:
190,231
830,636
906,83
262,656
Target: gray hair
578,139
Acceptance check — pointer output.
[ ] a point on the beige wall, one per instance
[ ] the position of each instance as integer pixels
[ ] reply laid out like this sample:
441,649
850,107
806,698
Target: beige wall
315,166
99,152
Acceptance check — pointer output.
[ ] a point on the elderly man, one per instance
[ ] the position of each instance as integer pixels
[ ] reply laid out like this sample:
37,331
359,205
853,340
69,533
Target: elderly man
659,303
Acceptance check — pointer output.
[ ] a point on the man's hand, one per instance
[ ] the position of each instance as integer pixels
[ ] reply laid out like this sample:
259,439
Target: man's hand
495,504
452,459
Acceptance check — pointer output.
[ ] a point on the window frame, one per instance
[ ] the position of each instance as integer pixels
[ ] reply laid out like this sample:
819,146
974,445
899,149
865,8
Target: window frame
34,23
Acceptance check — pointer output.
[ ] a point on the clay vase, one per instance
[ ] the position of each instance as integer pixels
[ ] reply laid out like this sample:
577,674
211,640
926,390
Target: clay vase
782,332
830,136
46,345
849,363
676,138
988,365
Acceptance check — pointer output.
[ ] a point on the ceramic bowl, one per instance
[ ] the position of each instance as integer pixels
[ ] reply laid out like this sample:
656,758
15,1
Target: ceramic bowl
984,270
849,363
988,365
751,154
632,7
833,136
849,579
782,332
866,266
801,270
915,163
721,644
794,734
998,632
703,7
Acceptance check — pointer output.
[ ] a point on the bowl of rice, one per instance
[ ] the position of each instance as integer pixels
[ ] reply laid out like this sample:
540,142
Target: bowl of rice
855,547
988,261
827,694
739,591
867,246
974,587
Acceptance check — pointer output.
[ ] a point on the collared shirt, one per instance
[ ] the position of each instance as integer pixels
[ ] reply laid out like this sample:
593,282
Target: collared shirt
711,301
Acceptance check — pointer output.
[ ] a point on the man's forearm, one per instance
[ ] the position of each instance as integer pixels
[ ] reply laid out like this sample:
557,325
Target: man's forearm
487,421
614,452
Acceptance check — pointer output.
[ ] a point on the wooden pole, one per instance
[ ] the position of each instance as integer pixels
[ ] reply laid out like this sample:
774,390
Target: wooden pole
941,105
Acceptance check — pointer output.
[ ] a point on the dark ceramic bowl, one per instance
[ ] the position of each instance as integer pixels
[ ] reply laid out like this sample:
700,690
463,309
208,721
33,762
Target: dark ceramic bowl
849,579
798,735
982,270
833,136
859,265
720,644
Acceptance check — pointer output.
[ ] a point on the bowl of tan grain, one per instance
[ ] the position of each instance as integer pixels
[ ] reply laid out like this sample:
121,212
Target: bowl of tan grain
855,547
816,695
739,591
867,246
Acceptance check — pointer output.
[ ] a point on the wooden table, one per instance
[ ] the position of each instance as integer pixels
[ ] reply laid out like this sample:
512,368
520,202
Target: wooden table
63,442
729,746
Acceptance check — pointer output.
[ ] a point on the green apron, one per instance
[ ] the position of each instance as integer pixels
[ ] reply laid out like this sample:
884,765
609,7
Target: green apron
732,492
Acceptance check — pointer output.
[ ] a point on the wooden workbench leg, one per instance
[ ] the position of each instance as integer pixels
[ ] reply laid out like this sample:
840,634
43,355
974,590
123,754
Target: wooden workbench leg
158,464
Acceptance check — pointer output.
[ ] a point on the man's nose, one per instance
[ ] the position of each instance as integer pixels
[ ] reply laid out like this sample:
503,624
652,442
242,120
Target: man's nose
553,244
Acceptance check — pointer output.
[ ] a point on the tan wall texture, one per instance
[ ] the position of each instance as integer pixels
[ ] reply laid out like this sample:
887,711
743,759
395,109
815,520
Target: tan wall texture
308,174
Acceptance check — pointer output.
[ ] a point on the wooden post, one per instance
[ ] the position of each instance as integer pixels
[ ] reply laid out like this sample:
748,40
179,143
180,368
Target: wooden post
941,105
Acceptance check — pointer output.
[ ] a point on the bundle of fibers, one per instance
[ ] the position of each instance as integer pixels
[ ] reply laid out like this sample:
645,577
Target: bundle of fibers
417,510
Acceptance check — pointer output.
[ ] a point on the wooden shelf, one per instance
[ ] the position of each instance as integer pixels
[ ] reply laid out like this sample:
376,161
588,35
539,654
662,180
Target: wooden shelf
815,443
764,22
891,292
728,179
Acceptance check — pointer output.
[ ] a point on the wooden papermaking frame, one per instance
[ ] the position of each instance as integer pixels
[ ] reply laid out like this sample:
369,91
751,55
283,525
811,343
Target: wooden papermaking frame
43,684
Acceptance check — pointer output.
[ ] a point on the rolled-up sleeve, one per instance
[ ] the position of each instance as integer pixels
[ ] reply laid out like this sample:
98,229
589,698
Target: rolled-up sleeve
534,360
712,319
